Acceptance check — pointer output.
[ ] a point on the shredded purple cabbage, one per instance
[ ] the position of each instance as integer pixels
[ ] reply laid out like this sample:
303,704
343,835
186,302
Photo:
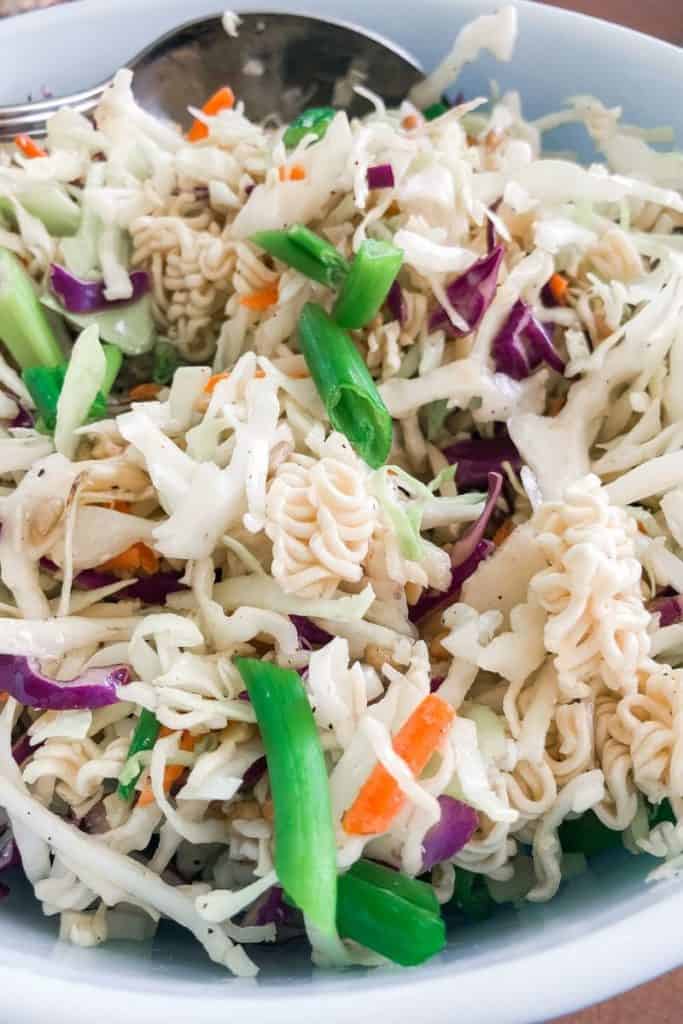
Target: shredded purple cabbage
254,772
432,600
23,419
23,749
79,296
435,682
457,825
477,457
310,635
522,344
148,589
380,176
22,678
471,294
669,607
463,548
397,304
9,856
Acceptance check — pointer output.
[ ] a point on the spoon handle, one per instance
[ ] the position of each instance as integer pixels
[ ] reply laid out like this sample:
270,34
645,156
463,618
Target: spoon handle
31,118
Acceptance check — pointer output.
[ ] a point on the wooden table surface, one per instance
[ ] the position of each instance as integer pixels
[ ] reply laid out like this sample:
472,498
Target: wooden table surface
660,1001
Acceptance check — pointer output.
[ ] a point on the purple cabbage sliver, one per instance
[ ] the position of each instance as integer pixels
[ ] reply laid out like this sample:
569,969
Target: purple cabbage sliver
477,457
669,607
309,634
432,600
455,828
254,773
522,344
396,303
471,294
78,296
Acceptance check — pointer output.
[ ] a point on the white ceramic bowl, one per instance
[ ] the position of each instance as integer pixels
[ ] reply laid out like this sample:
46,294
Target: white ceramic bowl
606,931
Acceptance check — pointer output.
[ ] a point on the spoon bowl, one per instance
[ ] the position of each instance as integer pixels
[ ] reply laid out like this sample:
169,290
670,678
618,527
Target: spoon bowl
277,64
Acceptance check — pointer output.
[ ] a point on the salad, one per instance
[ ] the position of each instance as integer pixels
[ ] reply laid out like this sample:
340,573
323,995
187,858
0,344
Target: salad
342,515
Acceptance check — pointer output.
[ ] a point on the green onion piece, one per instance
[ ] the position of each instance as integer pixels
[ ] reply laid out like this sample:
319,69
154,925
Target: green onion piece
114,358
305,849
349,393
313,121
382,920
23,326
420,894
372,274
306,252
657,813
471,895
587,835
166,361
435,110
45,385
144,738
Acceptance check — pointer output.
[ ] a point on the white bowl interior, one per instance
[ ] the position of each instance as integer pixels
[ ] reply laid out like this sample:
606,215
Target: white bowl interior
605,930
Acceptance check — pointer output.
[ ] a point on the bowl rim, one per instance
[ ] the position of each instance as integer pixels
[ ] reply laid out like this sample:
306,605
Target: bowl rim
617,954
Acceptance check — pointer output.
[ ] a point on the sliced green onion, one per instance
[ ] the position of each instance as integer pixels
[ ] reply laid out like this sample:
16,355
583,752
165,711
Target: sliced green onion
113,358
314,121
144,737
471,895
420,894
353,403
657,813
23,325
166,361
379,913
45,385
306,252
305,849
435,110
587,835
367,284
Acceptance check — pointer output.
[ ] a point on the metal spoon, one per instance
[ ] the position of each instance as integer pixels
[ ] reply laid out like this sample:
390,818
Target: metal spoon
278,64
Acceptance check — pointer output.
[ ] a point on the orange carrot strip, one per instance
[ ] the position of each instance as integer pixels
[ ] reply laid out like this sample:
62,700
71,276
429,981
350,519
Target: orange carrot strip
214,380
558,286
410,122
144,392
172,772
261,299
297,172
121,506
380,797
137,556
503,532
28,147
222,99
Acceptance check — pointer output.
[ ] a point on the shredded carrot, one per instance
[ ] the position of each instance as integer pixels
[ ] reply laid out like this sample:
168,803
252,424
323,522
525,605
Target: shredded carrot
297,172
410,122
118,506
261,299
223,99
144,392
137,556
172,772
28,147
211,383
4,696
380,797
503,532
559,286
